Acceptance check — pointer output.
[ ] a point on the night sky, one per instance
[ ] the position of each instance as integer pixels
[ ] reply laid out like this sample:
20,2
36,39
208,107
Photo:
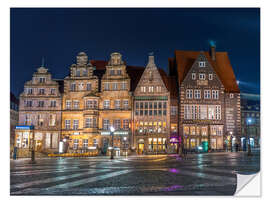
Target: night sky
59,34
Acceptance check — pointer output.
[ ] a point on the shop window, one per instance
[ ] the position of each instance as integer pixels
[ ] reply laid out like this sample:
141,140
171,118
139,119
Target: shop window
75,144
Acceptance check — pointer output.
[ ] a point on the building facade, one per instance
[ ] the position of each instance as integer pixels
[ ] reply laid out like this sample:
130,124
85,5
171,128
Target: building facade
80,101
209,100
39,114
115,106
250,112
151,112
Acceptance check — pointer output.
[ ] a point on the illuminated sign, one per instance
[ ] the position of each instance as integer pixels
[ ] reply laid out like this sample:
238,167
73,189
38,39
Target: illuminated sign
24,127
115,133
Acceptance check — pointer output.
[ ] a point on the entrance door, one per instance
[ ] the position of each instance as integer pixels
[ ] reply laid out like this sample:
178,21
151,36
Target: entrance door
141,148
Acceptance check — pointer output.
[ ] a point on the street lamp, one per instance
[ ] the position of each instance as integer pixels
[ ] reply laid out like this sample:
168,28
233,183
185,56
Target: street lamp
32,148
231,141
248,124
125,139
112,132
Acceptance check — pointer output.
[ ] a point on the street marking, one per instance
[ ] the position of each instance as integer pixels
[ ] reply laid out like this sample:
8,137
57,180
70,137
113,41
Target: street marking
88,180
55,179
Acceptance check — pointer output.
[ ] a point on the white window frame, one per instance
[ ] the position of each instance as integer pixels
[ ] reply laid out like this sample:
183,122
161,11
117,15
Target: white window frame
106,86
189,93
215,94
207,94
210,76
202,76
106,104
231,95
67,124
193,76
117,104
197,94
75,124
202,64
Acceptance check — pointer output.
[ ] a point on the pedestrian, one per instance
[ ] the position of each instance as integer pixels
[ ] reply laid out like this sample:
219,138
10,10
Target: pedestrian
15,153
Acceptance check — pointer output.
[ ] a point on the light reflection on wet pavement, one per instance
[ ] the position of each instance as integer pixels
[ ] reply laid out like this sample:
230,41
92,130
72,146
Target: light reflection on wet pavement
198,174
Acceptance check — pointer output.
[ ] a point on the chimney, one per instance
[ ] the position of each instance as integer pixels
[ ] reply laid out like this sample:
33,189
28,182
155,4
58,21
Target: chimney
151,59
213,50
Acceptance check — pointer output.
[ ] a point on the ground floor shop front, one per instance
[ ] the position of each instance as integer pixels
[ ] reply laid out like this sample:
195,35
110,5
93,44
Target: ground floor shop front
198,135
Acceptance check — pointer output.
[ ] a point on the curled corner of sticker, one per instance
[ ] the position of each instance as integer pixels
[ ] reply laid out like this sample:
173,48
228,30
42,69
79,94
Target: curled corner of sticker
248,185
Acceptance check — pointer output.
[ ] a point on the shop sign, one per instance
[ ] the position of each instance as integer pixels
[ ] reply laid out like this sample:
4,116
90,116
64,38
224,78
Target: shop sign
24,127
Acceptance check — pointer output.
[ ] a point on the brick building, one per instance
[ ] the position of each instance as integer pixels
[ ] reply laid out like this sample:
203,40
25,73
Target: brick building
209,99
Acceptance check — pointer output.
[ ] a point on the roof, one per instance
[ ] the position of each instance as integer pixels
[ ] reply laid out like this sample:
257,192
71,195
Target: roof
222,66
134,72
14,99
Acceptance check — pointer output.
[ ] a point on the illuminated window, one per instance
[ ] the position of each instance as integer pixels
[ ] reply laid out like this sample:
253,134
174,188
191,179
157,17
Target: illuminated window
115,86
117,124
125,124
117,104
106,124
67,124
106,104
192,130
106,86
75,143
125,104
52,120
85,143
75,124
76,104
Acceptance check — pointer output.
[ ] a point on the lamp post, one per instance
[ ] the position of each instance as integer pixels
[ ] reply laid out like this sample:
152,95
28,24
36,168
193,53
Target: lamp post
112,132
231,141
125,139
248,124
32,148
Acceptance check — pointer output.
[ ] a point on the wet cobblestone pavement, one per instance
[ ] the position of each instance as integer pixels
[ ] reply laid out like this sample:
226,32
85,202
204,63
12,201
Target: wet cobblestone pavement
198,174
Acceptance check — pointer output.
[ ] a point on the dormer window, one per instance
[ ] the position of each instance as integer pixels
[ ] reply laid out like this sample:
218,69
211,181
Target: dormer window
202,64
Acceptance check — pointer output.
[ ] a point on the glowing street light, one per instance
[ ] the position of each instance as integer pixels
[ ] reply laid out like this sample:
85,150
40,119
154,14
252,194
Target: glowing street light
112,132
248,124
